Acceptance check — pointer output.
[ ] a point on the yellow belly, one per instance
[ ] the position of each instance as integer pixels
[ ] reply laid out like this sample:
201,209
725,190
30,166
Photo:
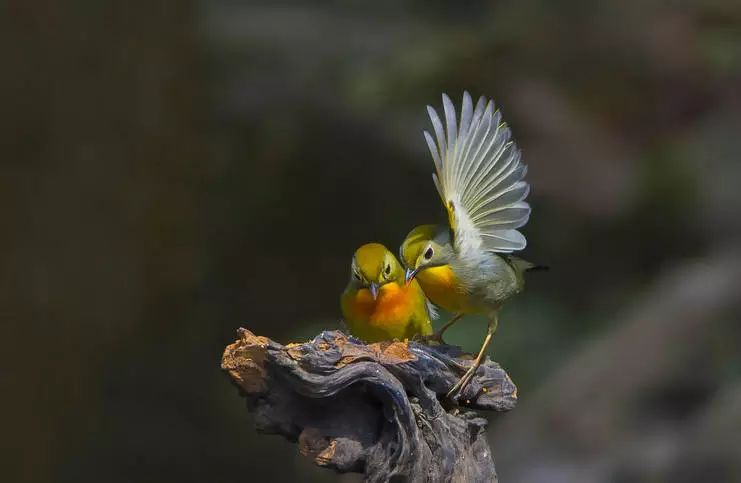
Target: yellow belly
398,312
443,288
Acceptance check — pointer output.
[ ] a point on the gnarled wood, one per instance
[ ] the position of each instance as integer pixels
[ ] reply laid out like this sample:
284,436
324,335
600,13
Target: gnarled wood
378,409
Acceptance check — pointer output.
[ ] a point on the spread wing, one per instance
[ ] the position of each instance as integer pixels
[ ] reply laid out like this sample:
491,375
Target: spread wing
479,176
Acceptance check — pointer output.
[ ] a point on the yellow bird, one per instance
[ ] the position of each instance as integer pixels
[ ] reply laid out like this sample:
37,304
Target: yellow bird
467,267
377,303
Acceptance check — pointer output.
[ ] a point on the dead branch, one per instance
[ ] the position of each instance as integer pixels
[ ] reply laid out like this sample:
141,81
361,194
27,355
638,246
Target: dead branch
377,409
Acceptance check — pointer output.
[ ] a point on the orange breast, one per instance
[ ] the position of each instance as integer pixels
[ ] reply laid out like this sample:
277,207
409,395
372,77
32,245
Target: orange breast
393,306
398,312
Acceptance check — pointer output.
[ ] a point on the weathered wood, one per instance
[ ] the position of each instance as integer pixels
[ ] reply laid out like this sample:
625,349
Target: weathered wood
377,409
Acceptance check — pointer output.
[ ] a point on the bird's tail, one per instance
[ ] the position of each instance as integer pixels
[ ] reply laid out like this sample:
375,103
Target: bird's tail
522,265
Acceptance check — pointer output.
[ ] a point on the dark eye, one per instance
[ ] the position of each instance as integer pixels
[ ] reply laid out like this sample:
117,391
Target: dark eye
428,253
387,270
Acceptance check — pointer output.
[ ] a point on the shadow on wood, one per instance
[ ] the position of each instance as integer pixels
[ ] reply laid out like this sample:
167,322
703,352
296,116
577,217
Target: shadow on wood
376,409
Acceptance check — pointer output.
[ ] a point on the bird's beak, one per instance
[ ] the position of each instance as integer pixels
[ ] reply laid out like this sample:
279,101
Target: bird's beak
373,287
410,274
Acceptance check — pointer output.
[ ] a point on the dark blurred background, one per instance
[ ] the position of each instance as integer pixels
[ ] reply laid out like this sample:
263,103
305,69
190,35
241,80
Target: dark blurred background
171,171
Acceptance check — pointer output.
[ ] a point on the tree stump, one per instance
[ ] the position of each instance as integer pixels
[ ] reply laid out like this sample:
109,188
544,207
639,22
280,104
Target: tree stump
377,409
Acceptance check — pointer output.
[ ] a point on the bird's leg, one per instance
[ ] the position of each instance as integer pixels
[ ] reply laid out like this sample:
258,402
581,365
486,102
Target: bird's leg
438,335
461,384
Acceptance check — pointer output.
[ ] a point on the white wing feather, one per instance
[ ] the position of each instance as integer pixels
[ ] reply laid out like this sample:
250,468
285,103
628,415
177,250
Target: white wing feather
480,177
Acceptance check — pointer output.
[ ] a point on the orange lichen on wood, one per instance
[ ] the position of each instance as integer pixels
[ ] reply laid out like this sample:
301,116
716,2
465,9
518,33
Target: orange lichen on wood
345,360
311,442
514,388
325,457
244,360
295,352
393,352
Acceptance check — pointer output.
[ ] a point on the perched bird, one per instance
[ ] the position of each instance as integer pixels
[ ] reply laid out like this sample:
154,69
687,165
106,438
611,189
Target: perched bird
377,304
467,267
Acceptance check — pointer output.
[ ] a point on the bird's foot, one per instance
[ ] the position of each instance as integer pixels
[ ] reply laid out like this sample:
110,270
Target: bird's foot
438,335
462,382
426,339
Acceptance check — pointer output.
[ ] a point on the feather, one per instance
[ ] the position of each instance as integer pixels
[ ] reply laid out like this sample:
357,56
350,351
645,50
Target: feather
466,115
480,176
439,132
434,152
451,124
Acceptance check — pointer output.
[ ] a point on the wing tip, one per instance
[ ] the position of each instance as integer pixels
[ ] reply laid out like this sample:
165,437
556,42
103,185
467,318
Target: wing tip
505,241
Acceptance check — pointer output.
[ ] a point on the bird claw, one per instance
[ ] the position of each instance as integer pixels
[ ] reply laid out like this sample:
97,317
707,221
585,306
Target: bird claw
426,339
462,383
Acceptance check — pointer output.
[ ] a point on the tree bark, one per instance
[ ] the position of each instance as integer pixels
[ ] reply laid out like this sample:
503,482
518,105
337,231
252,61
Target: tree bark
377,409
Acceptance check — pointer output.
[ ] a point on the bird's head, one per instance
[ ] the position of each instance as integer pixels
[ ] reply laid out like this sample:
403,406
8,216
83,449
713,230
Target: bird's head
424,247
373,266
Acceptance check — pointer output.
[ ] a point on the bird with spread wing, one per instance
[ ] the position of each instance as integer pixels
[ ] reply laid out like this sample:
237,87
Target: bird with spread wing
468,266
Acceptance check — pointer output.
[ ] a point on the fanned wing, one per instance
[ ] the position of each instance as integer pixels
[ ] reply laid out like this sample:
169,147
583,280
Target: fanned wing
480,177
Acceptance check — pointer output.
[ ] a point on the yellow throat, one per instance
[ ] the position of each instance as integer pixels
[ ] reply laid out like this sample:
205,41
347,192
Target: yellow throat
443,288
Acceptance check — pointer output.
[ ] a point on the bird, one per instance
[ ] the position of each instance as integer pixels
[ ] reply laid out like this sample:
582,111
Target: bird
378,304
468,266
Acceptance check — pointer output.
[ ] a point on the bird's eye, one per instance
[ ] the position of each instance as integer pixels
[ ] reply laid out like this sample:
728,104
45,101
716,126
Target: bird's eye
428,253
387,270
